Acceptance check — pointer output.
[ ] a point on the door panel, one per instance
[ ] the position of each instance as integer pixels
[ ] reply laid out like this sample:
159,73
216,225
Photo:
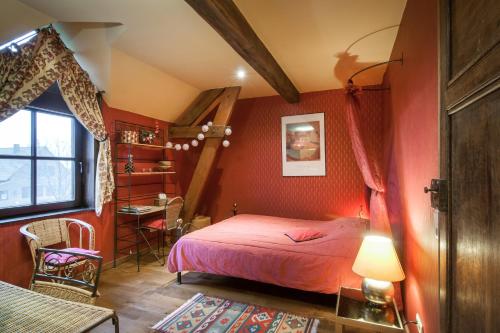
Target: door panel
475,214
469,255
472,47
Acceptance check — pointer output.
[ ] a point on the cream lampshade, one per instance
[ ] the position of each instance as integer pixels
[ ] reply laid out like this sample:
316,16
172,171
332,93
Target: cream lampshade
377,262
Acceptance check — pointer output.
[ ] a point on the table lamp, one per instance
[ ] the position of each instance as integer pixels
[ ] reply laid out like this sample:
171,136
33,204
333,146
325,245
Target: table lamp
378,264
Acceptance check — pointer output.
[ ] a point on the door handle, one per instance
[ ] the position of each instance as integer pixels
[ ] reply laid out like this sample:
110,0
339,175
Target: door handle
439,194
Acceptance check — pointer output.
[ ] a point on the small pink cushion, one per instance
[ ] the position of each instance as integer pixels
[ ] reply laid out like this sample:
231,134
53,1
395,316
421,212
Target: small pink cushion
304,234
158,224
64,258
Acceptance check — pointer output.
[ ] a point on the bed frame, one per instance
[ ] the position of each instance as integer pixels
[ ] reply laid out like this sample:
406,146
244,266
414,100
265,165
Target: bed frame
235,211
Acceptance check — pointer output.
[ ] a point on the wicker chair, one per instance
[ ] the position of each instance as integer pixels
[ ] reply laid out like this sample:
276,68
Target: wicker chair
72,283
170,221
50,232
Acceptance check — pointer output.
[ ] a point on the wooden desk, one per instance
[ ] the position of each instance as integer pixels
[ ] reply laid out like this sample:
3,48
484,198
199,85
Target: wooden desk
354,311
138,220
23,310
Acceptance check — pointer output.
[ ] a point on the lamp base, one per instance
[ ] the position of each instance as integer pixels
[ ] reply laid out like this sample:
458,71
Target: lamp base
379,293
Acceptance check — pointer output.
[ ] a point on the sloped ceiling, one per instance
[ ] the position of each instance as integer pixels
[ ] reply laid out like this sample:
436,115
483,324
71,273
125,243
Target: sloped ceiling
318,43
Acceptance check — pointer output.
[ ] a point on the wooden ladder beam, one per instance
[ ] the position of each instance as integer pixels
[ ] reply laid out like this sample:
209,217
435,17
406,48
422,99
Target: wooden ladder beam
198,107
186,132
208,154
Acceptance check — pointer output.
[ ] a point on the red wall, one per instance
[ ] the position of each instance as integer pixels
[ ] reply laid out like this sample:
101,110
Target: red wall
15,258
249,172
412,155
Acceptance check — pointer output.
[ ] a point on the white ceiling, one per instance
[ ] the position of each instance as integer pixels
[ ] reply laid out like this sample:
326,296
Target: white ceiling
305,36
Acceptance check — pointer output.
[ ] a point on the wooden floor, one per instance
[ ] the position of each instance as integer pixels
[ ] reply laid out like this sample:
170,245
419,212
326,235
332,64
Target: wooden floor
142,299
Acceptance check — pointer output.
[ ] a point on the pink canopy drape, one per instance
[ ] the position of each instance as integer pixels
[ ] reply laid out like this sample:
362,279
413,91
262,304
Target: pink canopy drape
368,165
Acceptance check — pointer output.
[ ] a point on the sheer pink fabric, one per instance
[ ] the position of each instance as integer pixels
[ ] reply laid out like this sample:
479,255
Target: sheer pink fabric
368,165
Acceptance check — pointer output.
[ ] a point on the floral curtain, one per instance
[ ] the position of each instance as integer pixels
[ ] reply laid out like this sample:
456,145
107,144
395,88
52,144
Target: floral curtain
27,73
368,165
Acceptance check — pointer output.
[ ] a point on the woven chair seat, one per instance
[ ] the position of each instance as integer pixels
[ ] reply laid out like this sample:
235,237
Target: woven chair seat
23,310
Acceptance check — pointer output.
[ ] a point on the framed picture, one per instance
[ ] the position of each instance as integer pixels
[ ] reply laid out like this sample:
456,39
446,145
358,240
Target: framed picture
303,145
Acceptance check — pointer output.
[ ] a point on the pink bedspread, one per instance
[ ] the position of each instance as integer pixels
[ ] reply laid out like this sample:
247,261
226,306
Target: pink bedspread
254,247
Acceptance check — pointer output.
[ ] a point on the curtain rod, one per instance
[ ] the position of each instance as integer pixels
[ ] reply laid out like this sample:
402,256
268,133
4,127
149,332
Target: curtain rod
350,81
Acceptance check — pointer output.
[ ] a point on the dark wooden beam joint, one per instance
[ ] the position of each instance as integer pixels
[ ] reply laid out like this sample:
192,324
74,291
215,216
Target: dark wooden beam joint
225,17
198,106
184,132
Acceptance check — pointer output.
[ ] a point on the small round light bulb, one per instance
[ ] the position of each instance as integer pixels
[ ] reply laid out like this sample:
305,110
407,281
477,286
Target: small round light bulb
201,137
226,143
185,146
178,146
169,145
204,128
228,131
194,143
210,123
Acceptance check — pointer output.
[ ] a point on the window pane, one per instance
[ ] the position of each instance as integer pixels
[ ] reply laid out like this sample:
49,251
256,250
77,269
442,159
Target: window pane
15,134
55,181
15,183
54,135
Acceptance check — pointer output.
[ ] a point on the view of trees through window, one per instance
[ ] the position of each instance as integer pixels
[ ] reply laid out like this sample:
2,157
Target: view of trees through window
37,159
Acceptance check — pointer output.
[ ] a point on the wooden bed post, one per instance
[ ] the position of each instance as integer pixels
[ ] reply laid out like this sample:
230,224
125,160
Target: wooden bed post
199,109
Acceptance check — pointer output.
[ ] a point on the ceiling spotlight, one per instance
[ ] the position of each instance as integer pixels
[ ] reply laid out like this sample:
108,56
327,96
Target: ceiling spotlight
241,74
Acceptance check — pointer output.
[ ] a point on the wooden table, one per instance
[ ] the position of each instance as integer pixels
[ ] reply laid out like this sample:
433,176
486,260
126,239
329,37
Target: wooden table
354,311
138,218
23,310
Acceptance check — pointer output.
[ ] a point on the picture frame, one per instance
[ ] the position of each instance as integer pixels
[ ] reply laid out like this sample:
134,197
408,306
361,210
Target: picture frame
303,145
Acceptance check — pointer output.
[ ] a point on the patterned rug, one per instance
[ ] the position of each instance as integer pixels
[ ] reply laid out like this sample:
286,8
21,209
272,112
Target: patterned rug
204,314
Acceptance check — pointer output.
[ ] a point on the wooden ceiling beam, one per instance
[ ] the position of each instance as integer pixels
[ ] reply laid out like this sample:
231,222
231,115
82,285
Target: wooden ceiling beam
208,154
198,106
187,132
225,17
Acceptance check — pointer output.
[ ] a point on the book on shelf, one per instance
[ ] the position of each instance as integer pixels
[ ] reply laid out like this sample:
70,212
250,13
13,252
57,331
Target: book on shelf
135,209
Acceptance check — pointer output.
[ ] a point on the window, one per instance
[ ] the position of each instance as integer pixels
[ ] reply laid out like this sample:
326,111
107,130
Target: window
40,162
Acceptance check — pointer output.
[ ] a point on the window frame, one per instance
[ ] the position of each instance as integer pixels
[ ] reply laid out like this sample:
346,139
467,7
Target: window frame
79,134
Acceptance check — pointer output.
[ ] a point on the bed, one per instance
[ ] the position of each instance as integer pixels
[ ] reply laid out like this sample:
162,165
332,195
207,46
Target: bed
255,247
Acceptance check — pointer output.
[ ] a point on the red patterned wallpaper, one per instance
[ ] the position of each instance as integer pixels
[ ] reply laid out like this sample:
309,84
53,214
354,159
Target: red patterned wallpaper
249,172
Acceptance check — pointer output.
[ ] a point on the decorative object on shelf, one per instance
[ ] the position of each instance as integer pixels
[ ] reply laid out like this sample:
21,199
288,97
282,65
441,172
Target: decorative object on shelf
303,145
129,166
147,136
161,200
377,262
164,165
129,137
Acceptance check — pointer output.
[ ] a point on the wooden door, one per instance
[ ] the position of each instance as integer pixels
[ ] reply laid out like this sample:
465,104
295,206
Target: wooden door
470,161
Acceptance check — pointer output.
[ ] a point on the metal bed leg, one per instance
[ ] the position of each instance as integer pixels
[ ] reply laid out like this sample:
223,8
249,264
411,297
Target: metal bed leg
116,323
179,278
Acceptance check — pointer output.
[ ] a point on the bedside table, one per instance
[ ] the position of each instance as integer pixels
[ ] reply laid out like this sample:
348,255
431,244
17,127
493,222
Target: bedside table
354,311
